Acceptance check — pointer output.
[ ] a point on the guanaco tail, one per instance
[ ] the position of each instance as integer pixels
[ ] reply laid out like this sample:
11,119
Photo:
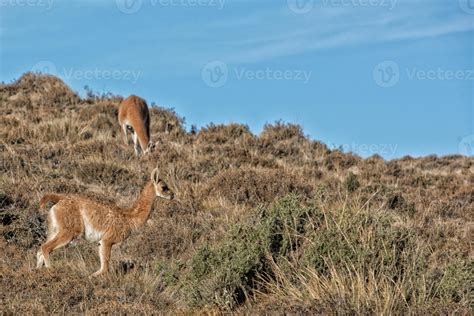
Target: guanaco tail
134,117
73,216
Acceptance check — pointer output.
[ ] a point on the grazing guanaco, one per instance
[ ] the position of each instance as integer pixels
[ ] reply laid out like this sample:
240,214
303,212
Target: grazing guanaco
73,216
134,117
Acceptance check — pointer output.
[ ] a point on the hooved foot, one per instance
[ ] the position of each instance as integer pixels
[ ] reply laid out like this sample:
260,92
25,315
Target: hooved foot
98,273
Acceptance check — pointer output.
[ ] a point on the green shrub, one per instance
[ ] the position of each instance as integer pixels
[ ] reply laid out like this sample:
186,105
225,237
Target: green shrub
169,272
452,282
226,274
296,236
396,201
352,183
367,242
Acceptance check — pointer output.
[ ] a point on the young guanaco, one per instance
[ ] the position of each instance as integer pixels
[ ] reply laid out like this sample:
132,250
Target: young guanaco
73,216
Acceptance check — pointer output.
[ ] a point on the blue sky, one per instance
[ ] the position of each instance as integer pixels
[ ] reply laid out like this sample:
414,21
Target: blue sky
394,77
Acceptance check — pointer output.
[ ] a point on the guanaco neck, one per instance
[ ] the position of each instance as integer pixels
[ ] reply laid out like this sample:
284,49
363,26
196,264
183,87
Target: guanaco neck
140,212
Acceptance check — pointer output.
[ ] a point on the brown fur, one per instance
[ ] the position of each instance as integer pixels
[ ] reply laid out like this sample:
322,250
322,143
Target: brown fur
74,215
134,113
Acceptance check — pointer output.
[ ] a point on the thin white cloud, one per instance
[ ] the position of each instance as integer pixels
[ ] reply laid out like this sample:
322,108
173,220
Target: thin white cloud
235,36
339,27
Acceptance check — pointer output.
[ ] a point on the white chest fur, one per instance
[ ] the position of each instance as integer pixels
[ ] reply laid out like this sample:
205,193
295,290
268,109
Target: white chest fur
90,233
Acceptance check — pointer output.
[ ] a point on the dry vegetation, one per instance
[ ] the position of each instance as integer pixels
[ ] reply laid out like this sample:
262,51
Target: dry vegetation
262,224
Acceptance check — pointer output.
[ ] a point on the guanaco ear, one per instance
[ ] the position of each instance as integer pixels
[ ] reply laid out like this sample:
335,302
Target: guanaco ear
155,175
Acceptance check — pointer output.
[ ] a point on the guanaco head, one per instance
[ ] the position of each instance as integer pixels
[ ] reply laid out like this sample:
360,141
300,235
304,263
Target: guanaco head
161,188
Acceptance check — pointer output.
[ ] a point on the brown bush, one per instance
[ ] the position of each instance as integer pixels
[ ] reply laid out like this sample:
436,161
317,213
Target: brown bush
282,131
256,186
167,121
221,134
35,89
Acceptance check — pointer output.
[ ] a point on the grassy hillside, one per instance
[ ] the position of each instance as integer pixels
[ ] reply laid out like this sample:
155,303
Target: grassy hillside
262,223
